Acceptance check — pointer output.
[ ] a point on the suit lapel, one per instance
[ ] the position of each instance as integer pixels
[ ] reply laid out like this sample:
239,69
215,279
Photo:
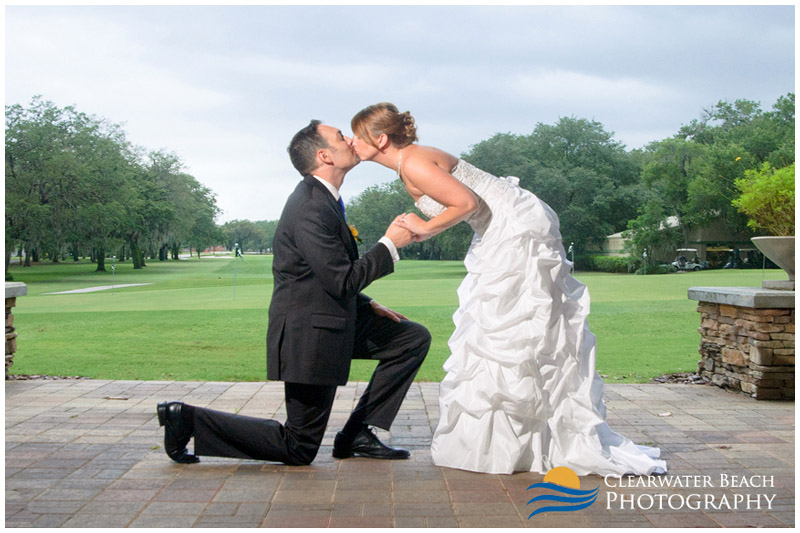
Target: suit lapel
331,203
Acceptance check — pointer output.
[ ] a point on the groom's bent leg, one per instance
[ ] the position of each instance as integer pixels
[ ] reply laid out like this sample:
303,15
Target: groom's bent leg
400,348
295,443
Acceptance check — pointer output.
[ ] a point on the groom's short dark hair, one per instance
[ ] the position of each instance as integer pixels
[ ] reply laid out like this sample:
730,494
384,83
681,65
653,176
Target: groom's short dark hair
303,148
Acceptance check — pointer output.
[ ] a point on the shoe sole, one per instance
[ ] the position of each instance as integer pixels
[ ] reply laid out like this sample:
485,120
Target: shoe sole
341,455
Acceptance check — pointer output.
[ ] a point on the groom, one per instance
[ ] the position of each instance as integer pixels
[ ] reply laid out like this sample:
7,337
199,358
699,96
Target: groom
318,321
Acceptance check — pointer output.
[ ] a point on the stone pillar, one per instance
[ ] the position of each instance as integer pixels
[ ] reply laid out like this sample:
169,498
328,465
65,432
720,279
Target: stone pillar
13,289
747,339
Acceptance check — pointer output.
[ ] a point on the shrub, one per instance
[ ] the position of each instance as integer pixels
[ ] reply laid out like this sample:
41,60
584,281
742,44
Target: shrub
656,269
607,263
583,262
768,199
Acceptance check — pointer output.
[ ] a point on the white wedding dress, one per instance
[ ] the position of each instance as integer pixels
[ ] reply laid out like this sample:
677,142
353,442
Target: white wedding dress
521,391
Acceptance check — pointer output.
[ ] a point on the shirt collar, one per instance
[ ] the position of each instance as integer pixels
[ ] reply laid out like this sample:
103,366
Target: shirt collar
334,191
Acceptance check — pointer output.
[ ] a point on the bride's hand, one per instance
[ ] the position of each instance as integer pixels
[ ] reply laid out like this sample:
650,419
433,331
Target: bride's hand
414,224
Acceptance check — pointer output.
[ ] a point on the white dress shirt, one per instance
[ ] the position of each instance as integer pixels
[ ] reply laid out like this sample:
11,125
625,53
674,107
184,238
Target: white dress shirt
385,240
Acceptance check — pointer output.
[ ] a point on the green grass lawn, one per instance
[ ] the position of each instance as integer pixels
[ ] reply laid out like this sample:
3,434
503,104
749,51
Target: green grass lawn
188,324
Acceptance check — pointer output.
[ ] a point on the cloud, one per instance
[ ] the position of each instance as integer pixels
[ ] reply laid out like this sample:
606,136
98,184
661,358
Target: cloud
225,88
101,63
564,88
335,74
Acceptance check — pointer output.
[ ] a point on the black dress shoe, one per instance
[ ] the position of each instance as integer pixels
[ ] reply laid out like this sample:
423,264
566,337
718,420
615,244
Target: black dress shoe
365,444
176,434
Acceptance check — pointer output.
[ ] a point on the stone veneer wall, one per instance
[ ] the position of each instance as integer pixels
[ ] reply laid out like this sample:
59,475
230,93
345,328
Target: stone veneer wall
748,349
12,291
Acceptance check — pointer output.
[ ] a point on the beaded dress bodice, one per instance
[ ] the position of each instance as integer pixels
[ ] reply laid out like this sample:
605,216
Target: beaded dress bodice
485,186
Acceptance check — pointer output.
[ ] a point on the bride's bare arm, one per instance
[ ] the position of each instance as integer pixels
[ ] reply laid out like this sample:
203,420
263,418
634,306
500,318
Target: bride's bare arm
430,179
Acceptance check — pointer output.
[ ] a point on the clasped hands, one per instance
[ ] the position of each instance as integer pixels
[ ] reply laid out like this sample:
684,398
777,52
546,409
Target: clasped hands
407,228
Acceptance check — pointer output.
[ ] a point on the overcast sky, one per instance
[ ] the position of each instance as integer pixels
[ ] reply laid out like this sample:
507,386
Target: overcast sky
225,88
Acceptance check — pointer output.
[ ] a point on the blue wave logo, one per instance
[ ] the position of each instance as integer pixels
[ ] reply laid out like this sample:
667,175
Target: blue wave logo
566,488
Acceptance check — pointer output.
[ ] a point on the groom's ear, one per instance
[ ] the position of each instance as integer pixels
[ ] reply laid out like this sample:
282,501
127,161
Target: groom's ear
324,157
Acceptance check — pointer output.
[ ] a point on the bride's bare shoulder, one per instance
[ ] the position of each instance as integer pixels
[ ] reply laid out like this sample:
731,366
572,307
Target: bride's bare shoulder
439,157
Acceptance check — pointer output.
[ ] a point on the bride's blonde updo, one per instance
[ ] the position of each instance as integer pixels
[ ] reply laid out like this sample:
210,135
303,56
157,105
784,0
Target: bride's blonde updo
372,121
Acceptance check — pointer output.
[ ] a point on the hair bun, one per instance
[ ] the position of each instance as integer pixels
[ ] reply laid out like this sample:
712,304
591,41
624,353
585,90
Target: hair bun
385,118
409,126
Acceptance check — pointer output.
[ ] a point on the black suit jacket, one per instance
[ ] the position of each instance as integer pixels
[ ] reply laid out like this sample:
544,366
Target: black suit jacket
318,278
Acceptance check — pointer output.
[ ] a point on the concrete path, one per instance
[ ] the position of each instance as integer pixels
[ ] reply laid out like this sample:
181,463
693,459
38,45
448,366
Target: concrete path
99,288
89,453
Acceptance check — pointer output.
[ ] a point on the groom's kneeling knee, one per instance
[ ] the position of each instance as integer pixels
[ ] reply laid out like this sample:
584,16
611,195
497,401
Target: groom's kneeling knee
301,459
302,454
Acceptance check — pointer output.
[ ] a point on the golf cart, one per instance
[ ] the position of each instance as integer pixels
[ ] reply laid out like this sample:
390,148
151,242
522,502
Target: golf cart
744,258
682,263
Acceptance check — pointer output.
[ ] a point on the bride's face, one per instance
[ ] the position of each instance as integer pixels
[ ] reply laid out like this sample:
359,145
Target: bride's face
364,149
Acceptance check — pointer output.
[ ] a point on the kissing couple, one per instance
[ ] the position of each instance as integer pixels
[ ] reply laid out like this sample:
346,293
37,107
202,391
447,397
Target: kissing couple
521,392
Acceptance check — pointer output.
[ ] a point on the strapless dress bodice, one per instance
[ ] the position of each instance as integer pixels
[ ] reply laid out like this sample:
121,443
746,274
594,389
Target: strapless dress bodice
484,185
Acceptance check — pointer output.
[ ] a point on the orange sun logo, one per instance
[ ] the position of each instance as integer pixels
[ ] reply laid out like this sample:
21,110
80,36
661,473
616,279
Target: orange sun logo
565,487
561,475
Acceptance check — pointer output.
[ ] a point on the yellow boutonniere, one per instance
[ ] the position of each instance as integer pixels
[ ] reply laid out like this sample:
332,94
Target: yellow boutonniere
354,233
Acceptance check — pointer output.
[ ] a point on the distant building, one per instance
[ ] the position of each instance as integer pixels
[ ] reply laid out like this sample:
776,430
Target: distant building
713,242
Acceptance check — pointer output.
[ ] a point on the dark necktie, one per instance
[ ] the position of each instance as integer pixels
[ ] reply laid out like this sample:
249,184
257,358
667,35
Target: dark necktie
341,206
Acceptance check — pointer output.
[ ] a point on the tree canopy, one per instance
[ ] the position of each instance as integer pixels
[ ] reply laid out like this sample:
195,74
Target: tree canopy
692,176
577,168
74,184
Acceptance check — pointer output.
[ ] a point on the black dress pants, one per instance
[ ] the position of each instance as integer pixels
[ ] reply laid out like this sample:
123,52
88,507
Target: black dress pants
399,349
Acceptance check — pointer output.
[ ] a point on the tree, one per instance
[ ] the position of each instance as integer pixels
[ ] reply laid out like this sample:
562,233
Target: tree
266,234
781,119
650,231
243,232
41,167
63,169
106,185
667,171
203,231
375,208
192,214
693,175
74,182
576,167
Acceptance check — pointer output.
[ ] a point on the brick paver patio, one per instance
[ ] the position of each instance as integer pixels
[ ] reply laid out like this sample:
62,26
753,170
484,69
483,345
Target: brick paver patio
89,453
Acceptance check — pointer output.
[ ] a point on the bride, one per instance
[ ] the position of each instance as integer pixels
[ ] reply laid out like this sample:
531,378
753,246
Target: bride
521,391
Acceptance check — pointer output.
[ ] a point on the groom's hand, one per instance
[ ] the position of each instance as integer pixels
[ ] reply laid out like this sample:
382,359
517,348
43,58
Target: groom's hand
381,310
399,236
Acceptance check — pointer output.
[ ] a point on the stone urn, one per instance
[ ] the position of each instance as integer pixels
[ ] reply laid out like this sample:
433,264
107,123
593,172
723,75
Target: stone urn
779,250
